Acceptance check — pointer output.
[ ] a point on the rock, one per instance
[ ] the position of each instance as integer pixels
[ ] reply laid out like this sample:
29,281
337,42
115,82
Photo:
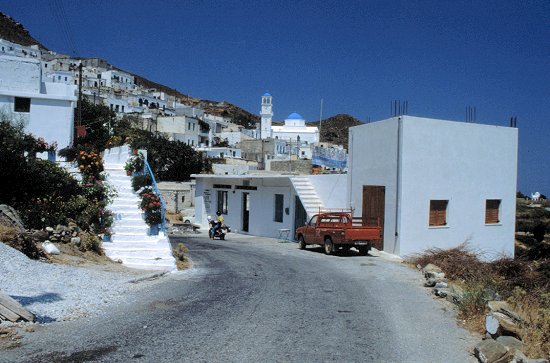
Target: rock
491,324
10,218
74,234
54,238
456,294
490,351
504,325
440,292
49,229
504,308
519,357
431,282
72,225
510,342
76,240
441,285
432,268
50,248
40,236
434,275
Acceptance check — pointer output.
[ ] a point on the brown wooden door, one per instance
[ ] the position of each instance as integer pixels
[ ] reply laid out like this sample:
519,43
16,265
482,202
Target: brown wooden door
374,201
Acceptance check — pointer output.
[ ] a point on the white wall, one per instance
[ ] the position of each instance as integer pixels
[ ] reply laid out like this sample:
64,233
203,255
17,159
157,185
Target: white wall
52,120
465,164
373,161
331,189
262,204
20,74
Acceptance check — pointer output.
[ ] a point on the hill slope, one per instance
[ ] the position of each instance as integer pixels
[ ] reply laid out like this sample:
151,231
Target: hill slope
15,32
335,129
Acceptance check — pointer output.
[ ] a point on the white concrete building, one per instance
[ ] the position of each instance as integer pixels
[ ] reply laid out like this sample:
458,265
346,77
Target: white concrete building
45,108
180,128
432,183
436,183
265,204
118,80
295,130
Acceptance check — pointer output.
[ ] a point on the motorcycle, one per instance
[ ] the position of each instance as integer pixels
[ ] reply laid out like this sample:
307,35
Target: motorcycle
220,232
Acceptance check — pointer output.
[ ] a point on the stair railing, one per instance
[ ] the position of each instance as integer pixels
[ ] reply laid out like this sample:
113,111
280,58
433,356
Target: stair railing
156,189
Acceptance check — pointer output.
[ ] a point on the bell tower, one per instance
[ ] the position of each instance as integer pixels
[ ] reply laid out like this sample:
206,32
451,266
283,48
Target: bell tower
266,115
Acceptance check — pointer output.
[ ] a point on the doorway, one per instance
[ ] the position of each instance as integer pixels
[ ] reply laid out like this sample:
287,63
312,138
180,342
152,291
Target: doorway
300,214
374,202
246,211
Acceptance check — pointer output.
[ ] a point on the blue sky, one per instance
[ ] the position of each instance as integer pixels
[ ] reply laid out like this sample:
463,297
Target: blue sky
440,56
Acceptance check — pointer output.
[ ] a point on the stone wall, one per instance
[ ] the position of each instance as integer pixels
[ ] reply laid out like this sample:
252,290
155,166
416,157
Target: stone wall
297,166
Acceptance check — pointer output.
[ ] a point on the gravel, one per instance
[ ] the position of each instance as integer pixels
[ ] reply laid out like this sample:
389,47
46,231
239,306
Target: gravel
55,292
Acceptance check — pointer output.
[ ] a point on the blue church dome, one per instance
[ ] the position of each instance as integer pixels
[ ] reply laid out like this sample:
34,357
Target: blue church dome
267,94
294,116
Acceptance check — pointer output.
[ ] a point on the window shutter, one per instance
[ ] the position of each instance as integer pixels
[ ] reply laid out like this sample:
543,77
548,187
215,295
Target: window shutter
492,207
438,213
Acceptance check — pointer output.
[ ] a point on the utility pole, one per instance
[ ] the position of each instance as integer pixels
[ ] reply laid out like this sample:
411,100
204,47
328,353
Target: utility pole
80,94
290,156
320,119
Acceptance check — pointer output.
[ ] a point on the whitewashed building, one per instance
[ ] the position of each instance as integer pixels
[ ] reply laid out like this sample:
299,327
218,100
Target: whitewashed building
265,204
436,183
46,108
293,130
180,128
432,183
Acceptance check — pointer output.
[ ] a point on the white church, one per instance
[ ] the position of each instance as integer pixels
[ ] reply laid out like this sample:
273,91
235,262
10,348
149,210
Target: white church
294,128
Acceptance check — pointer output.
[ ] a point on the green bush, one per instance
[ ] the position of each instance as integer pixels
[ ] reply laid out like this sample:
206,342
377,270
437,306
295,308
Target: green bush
44,193
169,160
140,181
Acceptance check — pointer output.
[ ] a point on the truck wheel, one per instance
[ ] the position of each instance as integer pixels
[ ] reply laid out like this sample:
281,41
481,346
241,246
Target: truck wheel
301,242
329,246
364,250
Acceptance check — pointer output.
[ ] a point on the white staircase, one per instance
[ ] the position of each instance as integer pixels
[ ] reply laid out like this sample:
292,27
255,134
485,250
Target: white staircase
307,194
130,242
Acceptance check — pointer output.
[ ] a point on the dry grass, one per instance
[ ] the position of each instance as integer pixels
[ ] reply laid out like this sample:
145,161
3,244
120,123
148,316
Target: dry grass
182,262
174,217
525,284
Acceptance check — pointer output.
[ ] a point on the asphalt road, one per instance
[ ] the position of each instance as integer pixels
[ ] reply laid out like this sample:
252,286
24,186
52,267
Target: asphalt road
250,299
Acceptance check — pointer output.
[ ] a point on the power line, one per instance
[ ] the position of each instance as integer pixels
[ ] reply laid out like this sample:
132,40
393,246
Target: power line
60,16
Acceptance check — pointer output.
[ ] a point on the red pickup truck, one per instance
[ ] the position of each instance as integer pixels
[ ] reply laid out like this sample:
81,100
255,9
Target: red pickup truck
340,230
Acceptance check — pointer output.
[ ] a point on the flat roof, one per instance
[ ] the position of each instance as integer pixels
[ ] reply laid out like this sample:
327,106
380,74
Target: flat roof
245,176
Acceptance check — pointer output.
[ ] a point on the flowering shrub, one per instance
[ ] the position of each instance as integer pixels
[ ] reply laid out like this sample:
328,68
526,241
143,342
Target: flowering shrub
89,163
151,205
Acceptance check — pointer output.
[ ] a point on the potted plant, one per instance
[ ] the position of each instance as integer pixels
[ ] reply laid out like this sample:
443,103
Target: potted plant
129,167
134,164
153,218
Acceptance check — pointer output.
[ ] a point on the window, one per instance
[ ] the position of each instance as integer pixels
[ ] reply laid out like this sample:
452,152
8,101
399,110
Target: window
279,199
189,126
492,211
222,201
438,212
22,104
222,186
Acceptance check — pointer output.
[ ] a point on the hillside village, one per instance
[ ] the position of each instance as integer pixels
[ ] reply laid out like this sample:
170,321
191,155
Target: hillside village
42,88
426,183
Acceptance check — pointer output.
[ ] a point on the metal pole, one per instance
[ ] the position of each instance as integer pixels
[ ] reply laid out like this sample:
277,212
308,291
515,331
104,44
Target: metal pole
320,119
80,94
